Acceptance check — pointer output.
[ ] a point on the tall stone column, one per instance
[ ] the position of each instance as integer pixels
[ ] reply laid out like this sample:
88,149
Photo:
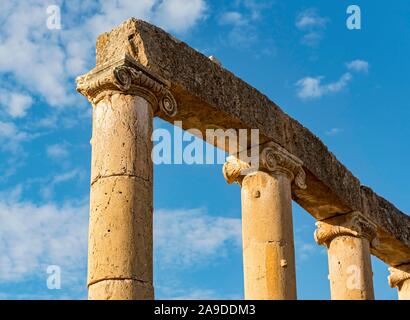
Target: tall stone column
347,238
268,245
125,98
400,278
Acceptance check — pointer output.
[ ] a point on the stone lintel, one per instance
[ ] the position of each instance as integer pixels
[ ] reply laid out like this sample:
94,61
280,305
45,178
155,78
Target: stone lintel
210,96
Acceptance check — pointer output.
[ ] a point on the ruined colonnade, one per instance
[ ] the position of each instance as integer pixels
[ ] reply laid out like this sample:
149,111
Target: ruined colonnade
126,91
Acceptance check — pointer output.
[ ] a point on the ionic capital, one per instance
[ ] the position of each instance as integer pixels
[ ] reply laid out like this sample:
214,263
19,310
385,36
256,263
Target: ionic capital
234,169
272,158
398,275
352,224
275,159
127,76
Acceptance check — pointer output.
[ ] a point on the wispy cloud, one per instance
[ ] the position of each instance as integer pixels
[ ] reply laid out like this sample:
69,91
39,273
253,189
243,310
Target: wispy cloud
312,25
193,294
233,18
180,291
35,236
185,238
11,137
305,250
48,187
179,15
38,65
358,66
57,151
305,246
333,131
313,87
44,61
242,19
15,104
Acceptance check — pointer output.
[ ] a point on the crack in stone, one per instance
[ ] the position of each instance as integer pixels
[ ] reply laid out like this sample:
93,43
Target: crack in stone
120,279
119,175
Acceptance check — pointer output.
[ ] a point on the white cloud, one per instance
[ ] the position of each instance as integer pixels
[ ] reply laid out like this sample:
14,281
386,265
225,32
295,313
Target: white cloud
19,104
48,188
179,291
66,176
57,151
35,236
309,19
232,18
333,131
305,250
11,143
31,53
179,15
313,26
16,104
358,66
44,61
11,136
310,87
242,20
187,237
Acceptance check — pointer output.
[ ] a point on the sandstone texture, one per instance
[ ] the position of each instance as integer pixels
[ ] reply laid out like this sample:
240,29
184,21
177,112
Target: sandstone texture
347,238
120,242
210,96
268,248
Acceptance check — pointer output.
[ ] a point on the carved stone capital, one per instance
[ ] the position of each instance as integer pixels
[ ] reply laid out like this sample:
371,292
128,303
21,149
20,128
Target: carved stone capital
274,159
234,169
398,275
271,158
352,224
127,76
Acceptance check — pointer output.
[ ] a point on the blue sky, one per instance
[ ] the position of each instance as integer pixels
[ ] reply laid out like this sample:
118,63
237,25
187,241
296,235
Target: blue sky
349,87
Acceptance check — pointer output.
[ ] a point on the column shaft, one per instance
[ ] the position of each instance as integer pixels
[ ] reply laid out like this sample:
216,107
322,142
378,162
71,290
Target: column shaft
268,249
350,269
120,231
347,238
404,290
400,278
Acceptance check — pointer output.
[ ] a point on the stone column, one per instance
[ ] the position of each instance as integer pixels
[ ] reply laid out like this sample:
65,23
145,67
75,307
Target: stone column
400,278
268,246
125,97
347,238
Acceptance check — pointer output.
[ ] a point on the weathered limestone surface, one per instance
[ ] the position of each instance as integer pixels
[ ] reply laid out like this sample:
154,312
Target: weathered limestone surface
209,96
347,238
120,290
268,242
125,96
400,278
120,234
268,246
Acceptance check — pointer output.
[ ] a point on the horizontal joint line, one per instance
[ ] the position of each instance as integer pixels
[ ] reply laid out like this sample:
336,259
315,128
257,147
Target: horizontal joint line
119,175
120,279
